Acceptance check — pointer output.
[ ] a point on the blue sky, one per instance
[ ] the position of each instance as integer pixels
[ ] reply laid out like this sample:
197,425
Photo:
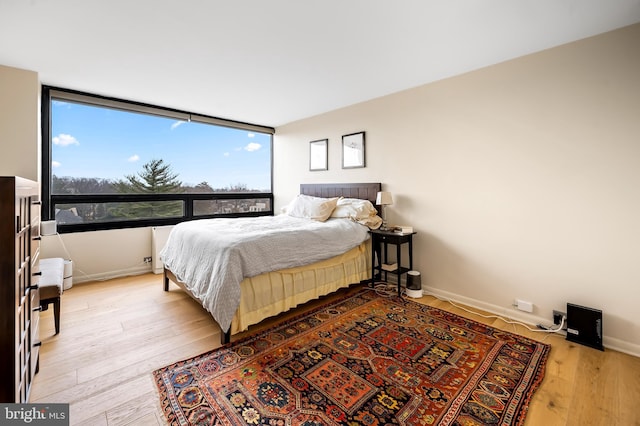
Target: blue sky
97,142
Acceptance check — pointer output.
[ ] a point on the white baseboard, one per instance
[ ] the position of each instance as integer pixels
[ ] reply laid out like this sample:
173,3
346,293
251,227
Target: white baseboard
530,319
102,276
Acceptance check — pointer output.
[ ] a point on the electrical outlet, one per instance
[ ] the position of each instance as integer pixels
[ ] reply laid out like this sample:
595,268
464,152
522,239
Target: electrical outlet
147,259
557,318
523,305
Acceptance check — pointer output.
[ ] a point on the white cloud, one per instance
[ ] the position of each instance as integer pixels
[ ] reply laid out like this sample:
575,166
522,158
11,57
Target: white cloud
226,154
55,164
65,140
176,124
252,147
133,158
251,135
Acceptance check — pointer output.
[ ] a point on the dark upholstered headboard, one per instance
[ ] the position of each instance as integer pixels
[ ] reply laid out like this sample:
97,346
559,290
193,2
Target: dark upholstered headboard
364,191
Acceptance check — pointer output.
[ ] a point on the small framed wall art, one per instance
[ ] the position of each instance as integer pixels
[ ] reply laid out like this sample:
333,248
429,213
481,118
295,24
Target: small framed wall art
318,155
353,150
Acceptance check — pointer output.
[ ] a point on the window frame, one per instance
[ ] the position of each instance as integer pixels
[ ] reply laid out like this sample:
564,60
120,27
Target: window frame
49,200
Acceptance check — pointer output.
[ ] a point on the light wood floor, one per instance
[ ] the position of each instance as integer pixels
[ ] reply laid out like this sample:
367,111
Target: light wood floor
115,333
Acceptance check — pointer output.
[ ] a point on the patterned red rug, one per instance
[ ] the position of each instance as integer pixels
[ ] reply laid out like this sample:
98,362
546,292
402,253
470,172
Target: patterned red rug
364,360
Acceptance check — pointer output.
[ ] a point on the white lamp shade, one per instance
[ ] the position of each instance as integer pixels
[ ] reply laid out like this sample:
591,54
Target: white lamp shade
384,198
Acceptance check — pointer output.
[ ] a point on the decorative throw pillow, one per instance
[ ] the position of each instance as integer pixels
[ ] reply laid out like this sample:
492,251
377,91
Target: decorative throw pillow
315,208
354,208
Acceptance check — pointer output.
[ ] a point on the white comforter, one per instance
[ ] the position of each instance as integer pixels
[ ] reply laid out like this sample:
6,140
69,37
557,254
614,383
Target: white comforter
212,256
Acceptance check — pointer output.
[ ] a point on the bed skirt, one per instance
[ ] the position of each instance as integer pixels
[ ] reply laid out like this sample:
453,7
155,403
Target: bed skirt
272,293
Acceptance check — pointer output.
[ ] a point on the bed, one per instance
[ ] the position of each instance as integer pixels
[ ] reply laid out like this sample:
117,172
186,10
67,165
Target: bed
262,295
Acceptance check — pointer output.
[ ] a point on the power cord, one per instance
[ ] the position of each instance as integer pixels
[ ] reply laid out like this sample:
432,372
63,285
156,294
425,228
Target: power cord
543,327
66,252
390,290
540,328
385,289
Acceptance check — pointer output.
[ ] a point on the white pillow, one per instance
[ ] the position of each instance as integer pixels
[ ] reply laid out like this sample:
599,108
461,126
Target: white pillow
354,208
315,208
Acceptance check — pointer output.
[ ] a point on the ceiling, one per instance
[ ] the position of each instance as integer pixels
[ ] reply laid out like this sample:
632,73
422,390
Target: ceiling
271,62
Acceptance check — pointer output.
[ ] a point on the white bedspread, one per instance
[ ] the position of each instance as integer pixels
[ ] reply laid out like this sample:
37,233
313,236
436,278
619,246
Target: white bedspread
212,256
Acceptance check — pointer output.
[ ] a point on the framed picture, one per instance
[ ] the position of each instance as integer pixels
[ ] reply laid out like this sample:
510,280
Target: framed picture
353,150
318,155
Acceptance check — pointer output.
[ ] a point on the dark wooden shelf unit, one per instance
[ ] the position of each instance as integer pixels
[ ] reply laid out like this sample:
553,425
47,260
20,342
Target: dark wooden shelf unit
19,296
379,250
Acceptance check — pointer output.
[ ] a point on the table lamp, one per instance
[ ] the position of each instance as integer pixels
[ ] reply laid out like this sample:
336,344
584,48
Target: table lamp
383,198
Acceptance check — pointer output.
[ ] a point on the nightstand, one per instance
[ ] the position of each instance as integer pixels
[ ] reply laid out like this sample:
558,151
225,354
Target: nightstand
379,246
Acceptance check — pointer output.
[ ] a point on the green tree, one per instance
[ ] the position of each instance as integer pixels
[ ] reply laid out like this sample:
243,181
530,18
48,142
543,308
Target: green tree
156,177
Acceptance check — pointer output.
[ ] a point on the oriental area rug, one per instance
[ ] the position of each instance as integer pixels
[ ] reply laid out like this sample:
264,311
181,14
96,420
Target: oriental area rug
361,360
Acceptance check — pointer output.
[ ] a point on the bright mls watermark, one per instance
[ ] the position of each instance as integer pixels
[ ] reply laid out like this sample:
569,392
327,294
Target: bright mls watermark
34,414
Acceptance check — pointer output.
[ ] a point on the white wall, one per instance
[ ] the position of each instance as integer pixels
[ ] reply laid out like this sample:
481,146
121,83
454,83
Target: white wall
101,255
522,179
19,123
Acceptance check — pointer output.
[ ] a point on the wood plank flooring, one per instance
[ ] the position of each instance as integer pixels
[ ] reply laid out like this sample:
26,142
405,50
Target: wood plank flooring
115,333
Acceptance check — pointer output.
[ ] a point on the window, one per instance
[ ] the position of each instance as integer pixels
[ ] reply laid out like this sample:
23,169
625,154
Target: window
109,163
